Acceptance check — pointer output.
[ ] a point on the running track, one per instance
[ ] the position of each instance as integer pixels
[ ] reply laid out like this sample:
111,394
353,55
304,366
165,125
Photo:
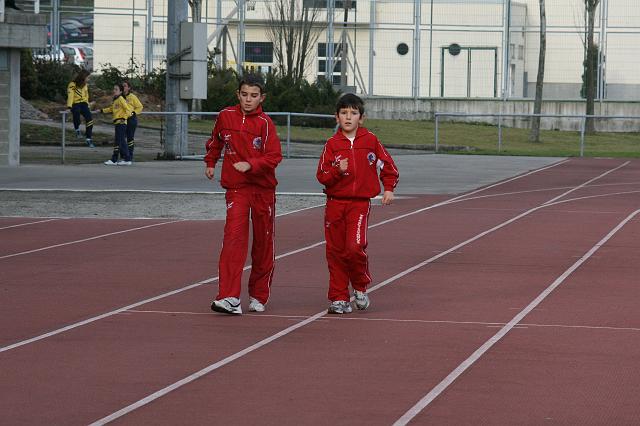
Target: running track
514,304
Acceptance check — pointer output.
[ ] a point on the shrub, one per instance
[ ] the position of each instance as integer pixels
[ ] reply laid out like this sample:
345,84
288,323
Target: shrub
53,78
28,76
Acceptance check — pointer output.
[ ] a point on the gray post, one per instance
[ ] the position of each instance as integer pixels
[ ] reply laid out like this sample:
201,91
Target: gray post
505,47
177,13
329,48
372,34
64,135
417,17
55,28
13,110
148,54
437,136
288,135
499,132
430,45
241,14
583,127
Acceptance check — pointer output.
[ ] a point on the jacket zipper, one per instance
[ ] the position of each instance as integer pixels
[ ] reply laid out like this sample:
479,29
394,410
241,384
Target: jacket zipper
353,157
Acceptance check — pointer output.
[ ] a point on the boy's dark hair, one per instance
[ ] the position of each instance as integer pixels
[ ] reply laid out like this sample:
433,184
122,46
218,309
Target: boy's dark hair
252,80
79,80
349,100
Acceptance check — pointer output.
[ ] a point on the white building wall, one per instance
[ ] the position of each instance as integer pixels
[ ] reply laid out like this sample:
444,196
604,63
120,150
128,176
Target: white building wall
476,25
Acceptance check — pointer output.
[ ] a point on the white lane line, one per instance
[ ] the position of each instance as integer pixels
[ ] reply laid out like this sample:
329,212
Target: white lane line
447,381
206,370
586,183
160,393
88,239
463,197
28,223
398,320
206,281
556,188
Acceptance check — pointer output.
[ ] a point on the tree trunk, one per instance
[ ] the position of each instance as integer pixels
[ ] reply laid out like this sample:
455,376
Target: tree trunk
534,136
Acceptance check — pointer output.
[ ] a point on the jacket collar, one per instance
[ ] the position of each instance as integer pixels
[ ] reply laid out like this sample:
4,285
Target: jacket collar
361,131
256,111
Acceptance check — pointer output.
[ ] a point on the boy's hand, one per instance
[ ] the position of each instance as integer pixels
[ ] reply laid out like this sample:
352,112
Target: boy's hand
343,165
208,172
387,198
242,166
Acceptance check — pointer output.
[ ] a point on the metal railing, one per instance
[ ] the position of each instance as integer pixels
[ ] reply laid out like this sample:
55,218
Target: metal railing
184,116
583,122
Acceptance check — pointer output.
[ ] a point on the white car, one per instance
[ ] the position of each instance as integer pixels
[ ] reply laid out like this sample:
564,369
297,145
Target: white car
78,54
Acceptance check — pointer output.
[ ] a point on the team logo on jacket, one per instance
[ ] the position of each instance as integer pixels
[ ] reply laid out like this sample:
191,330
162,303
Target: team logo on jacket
371,157
257,143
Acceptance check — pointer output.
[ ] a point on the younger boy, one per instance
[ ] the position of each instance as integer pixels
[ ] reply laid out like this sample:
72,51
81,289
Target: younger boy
348,169
251,153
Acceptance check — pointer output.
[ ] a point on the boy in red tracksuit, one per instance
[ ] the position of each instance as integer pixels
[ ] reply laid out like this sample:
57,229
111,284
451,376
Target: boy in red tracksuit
251,153
348,169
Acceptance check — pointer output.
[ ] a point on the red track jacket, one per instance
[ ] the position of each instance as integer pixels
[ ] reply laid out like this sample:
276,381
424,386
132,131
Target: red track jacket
245,137
365,155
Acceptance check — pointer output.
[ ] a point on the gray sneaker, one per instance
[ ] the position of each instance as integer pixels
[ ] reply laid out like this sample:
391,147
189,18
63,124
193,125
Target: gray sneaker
361,300
339,307
255,305
228,305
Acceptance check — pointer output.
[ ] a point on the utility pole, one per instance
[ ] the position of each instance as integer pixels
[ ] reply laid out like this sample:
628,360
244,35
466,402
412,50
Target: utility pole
176,127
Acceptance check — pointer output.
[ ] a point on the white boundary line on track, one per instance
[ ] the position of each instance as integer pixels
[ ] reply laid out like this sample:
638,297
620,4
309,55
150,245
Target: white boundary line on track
392,320
88,239
212,279
118,232
447,381
168,389
28,223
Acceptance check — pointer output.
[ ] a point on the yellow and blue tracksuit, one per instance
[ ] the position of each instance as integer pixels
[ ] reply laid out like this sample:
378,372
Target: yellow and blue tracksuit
132,122
78,101
120,111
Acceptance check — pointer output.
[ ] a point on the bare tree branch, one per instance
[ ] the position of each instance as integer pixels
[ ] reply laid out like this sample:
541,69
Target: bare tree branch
293,32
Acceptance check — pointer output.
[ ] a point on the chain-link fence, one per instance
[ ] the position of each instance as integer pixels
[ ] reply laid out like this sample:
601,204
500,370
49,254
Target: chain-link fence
404,48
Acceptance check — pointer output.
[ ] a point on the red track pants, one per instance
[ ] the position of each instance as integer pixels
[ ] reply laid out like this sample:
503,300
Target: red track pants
345,231
260,204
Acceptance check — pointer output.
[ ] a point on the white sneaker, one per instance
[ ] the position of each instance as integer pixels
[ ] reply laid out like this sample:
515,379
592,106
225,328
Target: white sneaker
361,300
339,307
110,163
123,163
255,305
228,305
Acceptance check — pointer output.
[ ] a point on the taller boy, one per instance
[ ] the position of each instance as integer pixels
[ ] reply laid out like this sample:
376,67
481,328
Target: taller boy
251,154
348,169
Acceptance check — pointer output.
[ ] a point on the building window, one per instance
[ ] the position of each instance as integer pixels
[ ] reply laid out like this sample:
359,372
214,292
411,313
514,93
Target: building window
520,51
159,48
258,51
322,4
337,62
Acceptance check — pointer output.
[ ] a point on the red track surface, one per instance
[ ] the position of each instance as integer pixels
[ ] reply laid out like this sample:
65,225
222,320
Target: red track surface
572,359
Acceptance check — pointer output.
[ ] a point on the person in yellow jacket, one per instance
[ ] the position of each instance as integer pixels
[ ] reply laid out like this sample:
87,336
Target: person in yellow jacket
120,111
132,122
78,103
